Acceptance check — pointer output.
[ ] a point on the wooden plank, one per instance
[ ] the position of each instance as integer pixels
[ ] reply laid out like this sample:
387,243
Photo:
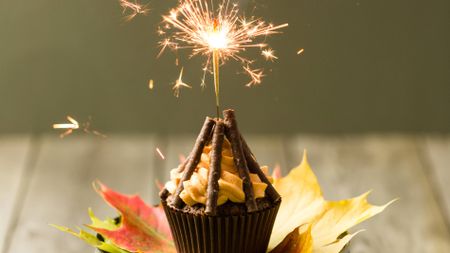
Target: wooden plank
390,165
437,155
269,150
14,151
60,190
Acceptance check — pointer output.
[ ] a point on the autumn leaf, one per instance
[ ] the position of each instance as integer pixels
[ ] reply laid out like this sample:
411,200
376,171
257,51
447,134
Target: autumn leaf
326,222
143,228
93,240
297,241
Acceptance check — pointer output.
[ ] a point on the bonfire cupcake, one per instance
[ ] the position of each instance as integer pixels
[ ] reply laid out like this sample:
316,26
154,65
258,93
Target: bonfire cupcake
220,199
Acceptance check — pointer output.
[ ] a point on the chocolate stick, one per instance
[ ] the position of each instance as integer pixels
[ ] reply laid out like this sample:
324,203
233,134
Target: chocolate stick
255,168
215,168
234,137
165,193
194,159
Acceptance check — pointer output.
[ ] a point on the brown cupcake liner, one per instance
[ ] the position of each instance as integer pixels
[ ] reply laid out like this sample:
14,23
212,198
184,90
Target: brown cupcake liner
248,233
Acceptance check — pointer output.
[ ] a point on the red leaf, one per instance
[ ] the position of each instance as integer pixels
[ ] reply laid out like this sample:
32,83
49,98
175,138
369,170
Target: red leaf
143,228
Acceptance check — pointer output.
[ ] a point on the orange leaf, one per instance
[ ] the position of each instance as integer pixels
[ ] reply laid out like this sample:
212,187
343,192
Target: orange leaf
143,228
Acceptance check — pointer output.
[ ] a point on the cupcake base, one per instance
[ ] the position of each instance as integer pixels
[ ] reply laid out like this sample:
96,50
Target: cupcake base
194,233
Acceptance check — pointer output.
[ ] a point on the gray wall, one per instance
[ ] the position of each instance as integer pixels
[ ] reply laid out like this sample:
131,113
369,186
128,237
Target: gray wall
379,65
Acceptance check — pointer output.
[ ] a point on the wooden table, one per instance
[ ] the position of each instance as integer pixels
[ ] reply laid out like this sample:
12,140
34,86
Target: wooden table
45,179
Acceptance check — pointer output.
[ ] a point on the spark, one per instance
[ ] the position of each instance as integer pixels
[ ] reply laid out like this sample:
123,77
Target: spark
301,51
179,84
219,33
151,84
87,129
135,8
74,125
256,76
269,54
160,153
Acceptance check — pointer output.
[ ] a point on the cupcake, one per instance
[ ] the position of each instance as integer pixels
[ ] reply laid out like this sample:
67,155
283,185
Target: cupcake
220,199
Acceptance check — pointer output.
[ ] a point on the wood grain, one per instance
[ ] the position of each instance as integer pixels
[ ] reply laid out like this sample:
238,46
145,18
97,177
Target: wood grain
14,151
60,190
269,150
350,165
437,156
56,187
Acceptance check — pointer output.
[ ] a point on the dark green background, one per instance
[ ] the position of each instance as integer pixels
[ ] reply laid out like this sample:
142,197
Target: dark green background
368,65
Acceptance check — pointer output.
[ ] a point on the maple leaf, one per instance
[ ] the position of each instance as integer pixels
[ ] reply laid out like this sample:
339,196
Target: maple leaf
306,222
143,228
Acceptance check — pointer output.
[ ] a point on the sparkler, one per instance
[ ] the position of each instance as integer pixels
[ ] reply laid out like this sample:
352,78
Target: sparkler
301,51
134,7
218,34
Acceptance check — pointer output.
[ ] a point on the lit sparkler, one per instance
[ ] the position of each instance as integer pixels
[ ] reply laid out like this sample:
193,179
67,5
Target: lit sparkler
300,51
218,34
134,8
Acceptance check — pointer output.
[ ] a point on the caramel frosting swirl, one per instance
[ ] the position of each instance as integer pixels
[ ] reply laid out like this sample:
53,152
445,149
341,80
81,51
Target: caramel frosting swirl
230,184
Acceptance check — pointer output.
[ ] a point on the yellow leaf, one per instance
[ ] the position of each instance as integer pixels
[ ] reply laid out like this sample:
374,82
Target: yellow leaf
298,241
303,205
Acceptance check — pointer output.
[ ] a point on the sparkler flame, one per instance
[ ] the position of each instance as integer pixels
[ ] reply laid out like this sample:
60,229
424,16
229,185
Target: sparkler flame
218,34
197,26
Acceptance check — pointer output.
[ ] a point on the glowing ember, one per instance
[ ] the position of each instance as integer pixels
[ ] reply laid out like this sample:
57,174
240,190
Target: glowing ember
218,34
134,8
269,54
300,51
160,153
179,84
151,84
255,74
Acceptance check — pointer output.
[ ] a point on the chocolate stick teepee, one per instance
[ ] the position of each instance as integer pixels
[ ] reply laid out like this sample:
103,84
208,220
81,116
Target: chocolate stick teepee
214,132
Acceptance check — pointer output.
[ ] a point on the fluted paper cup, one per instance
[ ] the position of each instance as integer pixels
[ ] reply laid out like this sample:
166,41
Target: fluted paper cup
249,233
